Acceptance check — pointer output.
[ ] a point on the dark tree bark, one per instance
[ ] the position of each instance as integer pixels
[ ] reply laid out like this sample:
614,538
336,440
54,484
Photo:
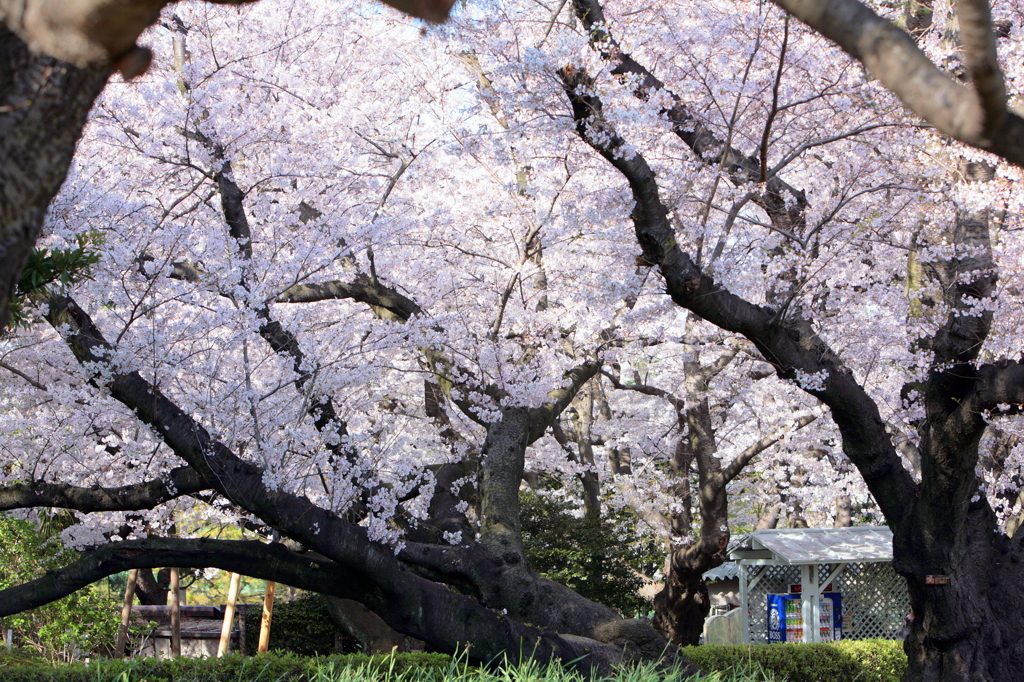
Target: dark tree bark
448,621
180,481
369,630
151,588
43,107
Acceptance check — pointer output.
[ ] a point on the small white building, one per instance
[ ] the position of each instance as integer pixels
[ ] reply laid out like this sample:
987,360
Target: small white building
856,562
723,585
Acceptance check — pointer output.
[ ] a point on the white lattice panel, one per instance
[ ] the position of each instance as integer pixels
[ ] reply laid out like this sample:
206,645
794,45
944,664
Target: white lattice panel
875,599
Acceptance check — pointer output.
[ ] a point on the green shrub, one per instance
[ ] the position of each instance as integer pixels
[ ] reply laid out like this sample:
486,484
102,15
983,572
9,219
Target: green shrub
599,561
300,626
882,660
84,621
876,660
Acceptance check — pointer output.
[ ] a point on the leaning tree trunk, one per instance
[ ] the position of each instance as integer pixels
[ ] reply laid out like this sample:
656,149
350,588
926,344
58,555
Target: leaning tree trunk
43,107
369,630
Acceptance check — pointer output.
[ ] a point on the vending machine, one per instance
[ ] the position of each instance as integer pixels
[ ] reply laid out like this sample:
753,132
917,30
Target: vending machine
786,619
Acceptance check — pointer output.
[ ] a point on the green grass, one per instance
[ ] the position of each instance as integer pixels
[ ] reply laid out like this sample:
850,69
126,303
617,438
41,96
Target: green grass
279,667
845,661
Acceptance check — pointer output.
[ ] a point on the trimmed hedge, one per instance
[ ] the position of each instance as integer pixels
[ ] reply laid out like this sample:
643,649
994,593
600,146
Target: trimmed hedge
273,667
872,660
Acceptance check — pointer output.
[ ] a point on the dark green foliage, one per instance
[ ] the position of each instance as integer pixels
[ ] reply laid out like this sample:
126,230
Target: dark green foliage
300,626
875,660
274,667
50,266
85,620
597,560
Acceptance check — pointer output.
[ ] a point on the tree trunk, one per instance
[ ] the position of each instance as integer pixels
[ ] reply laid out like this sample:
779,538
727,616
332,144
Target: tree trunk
682,606
153,590
972,628
43,107
583,422
769,517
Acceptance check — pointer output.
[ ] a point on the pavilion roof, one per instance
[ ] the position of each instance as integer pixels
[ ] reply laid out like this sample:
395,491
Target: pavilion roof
796,546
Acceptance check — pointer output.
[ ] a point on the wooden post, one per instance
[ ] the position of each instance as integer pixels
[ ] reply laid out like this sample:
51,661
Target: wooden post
268,613
126,613
175,615
229,616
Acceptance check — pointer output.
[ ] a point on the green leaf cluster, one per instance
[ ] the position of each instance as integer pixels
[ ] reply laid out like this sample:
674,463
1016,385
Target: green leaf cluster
600,560
874,660
83,622
46,267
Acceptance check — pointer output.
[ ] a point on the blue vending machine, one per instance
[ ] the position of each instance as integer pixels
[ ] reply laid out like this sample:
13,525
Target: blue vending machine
786,620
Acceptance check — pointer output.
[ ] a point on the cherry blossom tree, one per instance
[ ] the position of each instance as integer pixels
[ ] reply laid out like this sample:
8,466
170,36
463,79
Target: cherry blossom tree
709,424
350,293
399,425
961,377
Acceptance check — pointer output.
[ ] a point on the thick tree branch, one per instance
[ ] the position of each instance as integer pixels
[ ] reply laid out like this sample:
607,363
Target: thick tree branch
999,389
979,47
43,107
384,301
784,204
448,564
559,398
892,57
445,620
791,347
709,372
179,482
